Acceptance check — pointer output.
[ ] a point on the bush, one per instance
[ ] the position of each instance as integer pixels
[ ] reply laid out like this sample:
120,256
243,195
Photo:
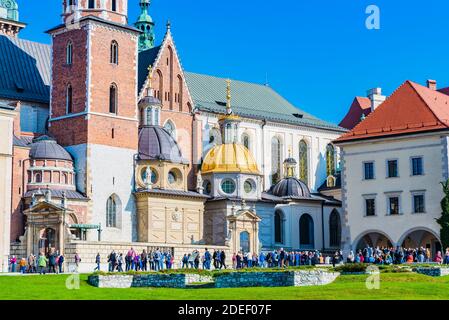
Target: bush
352,268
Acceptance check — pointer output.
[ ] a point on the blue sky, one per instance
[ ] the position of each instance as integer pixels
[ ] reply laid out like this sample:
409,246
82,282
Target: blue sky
317,54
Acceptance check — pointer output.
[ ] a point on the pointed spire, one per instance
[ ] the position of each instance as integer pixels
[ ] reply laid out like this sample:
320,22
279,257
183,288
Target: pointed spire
145,24
168,25
228,97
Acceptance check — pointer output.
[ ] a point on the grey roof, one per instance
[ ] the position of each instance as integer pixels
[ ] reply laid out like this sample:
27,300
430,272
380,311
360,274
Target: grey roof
324,186
57,193
175,193
155,143
24,70
46,148
249,100
146,58
22,141
290,188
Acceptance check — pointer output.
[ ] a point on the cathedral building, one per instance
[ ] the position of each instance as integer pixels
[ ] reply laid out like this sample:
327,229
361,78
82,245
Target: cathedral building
113,144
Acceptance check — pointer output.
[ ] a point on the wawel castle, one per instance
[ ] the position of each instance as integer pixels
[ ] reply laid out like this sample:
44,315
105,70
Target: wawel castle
108,143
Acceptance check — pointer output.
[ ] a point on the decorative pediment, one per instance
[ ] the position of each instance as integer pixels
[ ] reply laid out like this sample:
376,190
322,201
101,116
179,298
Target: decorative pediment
45,207
244,215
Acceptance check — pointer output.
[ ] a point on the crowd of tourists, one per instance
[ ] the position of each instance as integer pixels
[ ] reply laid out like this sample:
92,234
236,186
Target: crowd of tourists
53,262
145,261
156,260
389,255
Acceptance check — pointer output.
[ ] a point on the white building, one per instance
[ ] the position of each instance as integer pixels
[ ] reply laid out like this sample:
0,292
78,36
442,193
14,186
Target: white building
392,165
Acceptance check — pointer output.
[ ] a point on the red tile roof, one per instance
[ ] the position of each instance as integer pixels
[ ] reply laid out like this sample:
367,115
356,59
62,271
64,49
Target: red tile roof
359,106
410,109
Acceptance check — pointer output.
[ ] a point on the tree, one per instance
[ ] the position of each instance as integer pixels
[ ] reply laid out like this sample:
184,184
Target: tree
443,221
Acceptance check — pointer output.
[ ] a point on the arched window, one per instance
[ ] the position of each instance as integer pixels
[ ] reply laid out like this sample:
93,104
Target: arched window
306,234
114,52
214,136
278,227
112,209
69,99
113,94
38,178
65,178
334,229
303,161
276,158
91,4
330,160
180,92
114,5
246,141
160,92
170,128
69,53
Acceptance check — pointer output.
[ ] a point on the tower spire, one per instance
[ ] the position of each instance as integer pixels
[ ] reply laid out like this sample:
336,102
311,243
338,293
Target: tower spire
145,24
228,97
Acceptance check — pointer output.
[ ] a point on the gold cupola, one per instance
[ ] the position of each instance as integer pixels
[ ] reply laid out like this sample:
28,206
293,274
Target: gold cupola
231,156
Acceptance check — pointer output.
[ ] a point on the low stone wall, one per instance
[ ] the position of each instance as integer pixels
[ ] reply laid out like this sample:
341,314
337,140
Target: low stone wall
433,271
156,280
226,280
275,279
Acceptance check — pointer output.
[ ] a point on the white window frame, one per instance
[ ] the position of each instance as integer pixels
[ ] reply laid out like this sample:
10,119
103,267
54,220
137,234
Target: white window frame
387,173
365,208
422,166
363,170
418,193
395,194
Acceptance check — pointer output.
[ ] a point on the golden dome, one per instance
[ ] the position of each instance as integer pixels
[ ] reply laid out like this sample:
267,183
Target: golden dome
229,158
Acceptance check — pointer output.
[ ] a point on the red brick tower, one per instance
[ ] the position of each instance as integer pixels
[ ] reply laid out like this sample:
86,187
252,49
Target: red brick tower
93,109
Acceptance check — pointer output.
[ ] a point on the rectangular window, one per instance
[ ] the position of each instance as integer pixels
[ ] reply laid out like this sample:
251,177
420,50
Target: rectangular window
418,203
394,205
91,4
370,207
392,168
417,167
369,170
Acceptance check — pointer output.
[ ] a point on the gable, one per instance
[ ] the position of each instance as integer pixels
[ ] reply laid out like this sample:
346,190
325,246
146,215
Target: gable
168,79
410,109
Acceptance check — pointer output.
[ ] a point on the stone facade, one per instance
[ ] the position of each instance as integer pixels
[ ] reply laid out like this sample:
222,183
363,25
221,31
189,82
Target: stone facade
169,219
6,152
88,251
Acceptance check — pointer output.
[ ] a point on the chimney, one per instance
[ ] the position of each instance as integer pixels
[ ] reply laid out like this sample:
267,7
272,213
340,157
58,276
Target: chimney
432,84
376,97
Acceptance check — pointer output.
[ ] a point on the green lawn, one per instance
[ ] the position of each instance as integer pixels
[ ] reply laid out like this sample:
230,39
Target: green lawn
393,286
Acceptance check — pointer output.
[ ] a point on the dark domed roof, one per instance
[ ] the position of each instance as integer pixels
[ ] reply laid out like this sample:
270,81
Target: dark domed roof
290,188
155,143
149,101
46,148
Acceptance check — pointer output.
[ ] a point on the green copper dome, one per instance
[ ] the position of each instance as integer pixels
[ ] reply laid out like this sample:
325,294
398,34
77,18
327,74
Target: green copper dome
145,24
10,10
